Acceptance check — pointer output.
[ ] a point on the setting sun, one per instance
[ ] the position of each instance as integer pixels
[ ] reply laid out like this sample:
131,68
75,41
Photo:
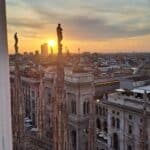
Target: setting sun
51,43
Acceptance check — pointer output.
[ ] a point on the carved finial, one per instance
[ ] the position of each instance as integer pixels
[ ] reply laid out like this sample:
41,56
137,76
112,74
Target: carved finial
16,43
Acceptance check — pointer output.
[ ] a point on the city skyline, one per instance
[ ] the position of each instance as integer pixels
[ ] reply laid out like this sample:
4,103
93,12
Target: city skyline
74,99
96,26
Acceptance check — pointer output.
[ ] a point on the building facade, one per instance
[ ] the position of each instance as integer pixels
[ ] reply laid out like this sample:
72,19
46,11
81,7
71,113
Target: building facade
79,91
129,119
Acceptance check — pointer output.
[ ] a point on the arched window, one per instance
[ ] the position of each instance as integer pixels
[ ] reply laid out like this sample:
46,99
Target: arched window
33,119
72,99
105,126
115,141
130,129
113,122
96,109
98,123
75,111
118,123
73,137
86,108
73,107
49,98
100,110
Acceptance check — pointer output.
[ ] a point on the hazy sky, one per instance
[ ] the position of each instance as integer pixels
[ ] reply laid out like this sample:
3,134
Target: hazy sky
95,25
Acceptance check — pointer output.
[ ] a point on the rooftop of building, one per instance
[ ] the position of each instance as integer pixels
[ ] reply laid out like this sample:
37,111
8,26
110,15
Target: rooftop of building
130,99
105,82
32,73
136,94
142,90
139,78
79,77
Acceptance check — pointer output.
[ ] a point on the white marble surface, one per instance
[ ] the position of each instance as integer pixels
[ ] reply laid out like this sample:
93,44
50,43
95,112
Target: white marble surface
5,111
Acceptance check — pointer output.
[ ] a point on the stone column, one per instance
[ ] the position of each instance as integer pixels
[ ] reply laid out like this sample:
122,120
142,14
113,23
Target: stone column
5,105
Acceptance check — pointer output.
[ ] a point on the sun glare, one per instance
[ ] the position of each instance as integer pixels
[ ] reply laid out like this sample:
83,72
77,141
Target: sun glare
51,43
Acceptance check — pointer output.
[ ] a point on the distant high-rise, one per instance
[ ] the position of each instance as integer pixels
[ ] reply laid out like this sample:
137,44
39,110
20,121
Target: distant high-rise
36,52
44,50
5,111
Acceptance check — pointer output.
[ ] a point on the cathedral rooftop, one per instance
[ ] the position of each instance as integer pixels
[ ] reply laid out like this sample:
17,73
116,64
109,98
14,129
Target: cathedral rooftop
79,77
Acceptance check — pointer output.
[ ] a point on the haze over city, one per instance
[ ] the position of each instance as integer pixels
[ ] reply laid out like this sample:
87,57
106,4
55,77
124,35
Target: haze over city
97,26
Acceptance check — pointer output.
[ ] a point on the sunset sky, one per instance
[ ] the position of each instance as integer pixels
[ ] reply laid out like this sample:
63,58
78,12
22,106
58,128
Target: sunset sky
91,25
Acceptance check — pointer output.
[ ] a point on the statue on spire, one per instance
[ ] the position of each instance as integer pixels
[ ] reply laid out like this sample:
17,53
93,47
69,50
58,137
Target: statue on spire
16,43
60,38
59,33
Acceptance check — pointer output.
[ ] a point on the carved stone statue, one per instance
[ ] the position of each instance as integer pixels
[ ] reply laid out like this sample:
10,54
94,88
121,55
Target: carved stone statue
60,38
16,43
59,33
